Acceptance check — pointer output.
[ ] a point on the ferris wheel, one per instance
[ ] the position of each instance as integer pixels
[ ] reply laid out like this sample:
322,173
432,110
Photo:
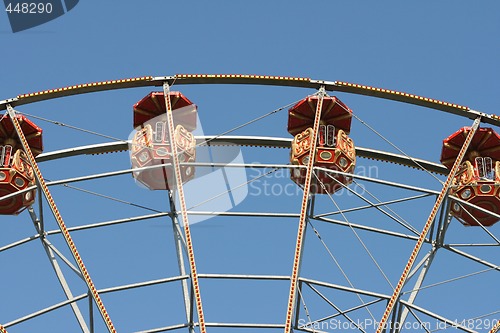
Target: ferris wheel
247,203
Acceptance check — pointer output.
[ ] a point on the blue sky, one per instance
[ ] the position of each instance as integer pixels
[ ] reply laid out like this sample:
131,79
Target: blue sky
447,50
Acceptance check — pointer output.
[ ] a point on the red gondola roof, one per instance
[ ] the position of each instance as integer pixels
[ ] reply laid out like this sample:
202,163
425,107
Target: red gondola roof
334,112
32,132
153,105
486,142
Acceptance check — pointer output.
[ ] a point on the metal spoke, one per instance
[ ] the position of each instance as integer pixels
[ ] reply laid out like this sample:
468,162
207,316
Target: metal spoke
183,209
417,287
180,244
60,221
299,246
428,224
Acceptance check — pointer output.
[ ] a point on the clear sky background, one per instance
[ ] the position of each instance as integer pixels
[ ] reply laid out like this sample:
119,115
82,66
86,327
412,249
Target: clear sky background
448,50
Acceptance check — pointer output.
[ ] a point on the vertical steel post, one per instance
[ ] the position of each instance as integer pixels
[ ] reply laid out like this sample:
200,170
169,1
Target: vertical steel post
416,288
180,261
183,208
299,246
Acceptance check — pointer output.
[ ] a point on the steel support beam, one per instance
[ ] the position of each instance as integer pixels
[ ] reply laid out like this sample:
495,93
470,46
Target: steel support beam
179,246
416,288
299,246
55,211
430,220
195,287
57,270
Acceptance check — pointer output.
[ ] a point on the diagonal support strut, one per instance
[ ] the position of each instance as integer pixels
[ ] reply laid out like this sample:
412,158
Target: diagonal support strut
183,209
430,220
299,246
60,222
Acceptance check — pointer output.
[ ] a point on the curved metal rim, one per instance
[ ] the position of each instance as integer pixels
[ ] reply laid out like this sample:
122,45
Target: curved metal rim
191,79
257,141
